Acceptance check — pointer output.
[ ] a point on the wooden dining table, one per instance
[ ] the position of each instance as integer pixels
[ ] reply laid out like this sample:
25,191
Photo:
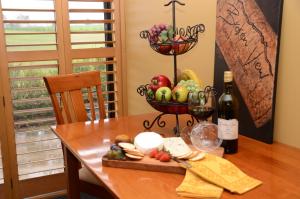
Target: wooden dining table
276,165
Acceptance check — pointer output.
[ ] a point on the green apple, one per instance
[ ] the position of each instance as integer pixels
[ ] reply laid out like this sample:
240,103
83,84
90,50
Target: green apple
163,94
180,94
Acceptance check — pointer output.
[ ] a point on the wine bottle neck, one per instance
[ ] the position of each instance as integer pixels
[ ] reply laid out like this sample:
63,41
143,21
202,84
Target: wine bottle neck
227,87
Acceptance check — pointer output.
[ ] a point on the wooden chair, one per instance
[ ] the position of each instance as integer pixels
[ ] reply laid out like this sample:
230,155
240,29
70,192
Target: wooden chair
68,88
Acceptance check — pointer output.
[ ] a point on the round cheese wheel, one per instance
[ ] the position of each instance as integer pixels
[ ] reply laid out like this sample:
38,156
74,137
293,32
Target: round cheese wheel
146,141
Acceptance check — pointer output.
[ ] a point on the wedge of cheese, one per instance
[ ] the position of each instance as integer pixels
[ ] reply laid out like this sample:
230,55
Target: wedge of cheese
176,146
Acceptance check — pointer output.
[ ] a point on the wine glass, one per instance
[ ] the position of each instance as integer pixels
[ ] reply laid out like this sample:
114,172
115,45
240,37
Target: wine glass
202,104
203,135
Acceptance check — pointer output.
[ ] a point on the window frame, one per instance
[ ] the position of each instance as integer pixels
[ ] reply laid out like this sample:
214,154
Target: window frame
13,187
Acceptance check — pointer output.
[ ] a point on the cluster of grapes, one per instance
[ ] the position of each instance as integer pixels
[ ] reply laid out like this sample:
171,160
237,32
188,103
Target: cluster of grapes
156,30
160,32
191,85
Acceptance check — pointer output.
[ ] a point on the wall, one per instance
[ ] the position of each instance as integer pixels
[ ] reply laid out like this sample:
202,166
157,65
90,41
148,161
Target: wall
143,62
288,92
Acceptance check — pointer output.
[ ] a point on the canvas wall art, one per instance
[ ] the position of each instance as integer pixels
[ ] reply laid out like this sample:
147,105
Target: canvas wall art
247,43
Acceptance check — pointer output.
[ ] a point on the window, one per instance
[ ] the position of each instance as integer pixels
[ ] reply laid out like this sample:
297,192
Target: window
38,149
50,37
32,29
92,26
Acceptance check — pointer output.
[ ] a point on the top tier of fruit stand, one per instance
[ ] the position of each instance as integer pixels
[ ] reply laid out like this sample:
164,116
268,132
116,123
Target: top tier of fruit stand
175,42
171,40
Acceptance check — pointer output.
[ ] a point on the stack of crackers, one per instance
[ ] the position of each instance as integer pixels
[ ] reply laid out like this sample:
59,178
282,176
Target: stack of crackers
131,151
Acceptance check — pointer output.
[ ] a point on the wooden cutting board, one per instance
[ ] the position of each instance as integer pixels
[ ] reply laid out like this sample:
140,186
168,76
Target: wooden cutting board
147,163
151,164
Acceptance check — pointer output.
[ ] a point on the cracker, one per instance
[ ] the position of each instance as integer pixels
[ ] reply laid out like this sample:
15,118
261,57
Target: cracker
200,156
193,154
134,152
126,145
134,156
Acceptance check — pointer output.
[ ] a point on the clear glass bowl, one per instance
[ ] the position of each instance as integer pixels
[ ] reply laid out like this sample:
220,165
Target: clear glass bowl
204,136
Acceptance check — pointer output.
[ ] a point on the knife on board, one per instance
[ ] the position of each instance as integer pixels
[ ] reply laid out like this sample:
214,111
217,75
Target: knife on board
182,163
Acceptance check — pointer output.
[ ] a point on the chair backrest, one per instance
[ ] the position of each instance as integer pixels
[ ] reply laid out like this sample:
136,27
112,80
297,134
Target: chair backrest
68,88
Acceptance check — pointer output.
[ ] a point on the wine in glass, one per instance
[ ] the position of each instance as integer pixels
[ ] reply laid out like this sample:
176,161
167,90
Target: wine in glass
202,104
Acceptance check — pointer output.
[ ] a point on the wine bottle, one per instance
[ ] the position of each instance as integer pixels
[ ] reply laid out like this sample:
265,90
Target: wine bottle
227,116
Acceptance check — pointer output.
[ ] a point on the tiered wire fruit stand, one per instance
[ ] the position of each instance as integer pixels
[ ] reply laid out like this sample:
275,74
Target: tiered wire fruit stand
183,40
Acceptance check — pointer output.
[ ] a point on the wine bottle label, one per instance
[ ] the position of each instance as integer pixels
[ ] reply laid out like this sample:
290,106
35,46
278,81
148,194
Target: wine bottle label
228,129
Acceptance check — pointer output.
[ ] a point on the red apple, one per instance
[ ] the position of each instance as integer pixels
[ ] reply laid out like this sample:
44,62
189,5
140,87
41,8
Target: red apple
159,81
180,94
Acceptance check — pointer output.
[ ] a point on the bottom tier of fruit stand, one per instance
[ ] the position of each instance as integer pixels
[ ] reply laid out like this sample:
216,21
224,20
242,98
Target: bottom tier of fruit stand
161,123
166,108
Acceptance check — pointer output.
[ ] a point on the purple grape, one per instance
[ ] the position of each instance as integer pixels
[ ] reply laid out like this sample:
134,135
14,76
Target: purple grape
162,26
155,32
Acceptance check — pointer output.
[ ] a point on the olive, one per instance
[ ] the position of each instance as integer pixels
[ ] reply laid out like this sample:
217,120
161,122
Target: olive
120,155
111,154
115,147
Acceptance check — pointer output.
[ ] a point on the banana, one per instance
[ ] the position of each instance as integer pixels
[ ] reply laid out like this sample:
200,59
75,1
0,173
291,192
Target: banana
188,74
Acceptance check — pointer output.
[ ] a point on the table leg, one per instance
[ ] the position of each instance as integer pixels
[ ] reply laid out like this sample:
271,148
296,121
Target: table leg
72,165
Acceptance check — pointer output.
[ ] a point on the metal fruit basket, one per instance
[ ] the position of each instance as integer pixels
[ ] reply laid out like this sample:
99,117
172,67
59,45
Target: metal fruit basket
161,106
183,40
171,107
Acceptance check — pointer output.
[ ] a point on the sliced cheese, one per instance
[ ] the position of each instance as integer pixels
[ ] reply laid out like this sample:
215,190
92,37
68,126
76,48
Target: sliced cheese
176,146
147,141
200,156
